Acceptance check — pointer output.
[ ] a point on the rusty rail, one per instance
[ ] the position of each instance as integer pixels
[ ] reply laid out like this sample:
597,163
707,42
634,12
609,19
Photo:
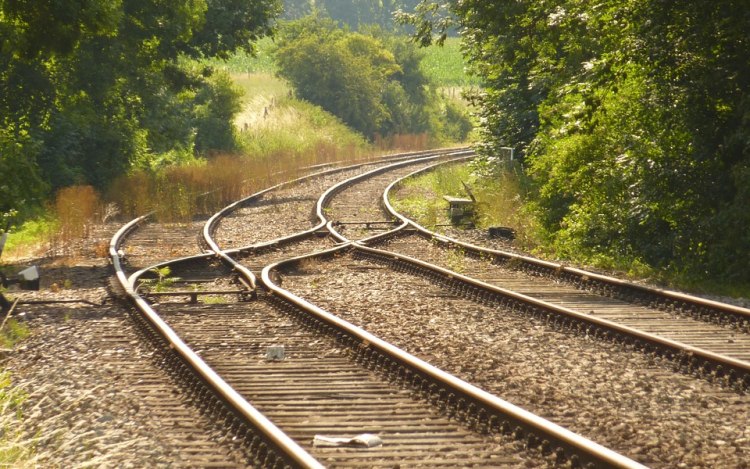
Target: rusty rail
241,417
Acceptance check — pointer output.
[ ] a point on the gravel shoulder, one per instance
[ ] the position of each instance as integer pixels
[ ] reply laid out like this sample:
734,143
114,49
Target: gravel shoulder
94,395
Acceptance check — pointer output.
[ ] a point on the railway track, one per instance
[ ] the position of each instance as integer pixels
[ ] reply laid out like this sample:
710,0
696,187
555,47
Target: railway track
706,328
688,358
262,441
230,331
732,342
316,389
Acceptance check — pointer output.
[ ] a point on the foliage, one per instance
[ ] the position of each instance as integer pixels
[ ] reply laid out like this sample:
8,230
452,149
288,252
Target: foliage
90,87
342,72
162,282
29,235
296,9
372,80
632,117
20,181
446,67
354,13
13,333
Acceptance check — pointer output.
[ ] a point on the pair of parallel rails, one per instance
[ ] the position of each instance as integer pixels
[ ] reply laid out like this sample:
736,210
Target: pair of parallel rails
478,410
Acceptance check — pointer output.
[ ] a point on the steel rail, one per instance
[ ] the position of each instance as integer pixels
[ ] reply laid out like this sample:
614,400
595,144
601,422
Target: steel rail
283,448
696,307
333,190
734,372
481,410
293,455
225,255
685,357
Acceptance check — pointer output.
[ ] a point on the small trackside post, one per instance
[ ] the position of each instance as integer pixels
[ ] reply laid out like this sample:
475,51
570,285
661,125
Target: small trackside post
28,279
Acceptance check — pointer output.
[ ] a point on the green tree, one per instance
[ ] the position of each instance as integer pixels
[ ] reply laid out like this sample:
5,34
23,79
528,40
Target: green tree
342,72
632,118
372,80
354,13
89,88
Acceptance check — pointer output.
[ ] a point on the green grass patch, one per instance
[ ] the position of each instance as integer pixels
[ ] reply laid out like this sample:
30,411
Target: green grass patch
261,85
499,199
446,66
28,237
421,197
13,333
242,62
273,121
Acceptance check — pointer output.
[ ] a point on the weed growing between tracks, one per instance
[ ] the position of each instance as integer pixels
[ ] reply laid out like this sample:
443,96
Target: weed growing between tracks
162,282
13,333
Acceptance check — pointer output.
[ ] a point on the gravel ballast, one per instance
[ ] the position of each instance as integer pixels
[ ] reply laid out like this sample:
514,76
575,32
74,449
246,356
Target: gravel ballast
617,397
95,396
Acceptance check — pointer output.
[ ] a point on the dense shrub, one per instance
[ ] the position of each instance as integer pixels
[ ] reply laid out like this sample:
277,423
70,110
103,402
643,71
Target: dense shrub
632,116
372,80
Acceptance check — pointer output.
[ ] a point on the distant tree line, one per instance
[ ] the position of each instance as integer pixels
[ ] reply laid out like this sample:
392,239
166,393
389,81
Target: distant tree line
89,88
633,118
351,13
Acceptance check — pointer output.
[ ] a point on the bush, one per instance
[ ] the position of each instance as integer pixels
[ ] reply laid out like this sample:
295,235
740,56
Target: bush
373,81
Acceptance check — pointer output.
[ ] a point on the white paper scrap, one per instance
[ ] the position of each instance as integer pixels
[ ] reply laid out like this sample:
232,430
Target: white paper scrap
364,440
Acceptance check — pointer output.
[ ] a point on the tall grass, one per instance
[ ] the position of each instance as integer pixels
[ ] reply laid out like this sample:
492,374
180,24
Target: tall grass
272,121
242,62
71,216
75,207
14,451
278,135
499,199
405,142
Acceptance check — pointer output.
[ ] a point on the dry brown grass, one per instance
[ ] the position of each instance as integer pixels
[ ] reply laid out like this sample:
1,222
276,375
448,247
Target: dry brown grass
76,209
405,142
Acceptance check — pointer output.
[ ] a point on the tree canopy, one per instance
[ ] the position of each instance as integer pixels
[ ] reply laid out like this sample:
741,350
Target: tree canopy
633,117
89,88
351,13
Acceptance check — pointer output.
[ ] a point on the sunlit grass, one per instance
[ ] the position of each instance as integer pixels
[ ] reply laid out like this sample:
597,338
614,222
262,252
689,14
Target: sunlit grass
241,62
259,88
13,332
30,238
421,197
446,66
277,135
13,450
499,199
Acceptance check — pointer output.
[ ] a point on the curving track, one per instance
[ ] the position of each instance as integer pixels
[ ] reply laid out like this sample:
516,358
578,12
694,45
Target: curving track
682,356
667,323
223,316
